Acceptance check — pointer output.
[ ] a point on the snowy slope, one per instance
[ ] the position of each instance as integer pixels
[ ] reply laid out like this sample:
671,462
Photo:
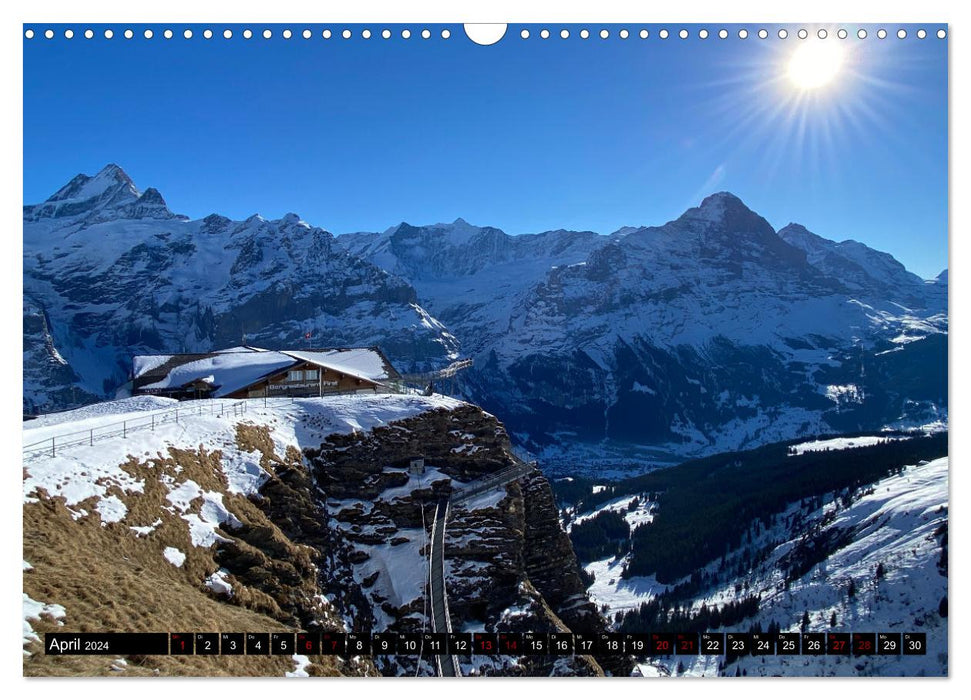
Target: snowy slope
81,472
895,522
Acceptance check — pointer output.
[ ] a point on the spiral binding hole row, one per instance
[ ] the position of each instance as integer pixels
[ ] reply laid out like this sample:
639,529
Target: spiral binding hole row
446,34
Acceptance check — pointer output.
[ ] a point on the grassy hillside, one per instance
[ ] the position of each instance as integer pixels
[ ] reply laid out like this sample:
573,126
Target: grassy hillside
108,577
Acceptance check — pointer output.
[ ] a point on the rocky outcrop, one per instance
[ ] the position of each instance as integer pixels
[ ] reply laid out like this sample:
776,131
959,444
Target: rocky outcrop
290,500
552,566
509,565
464,444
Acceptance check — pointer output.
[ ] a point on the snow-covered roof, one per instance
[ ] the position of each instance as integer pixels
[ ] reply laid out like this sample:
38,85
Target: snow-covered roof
236,368
229,372
364,363
142,364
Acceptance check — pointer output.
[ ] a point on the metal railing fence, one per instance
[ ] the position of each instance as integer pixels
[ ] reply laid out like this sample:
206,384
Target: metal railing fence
52,445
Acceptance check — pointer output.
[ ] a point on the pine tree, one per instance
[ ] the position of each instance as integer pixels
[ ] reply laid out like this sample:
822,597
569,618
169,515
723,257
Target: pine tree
832,619
805,621
851,591
942,608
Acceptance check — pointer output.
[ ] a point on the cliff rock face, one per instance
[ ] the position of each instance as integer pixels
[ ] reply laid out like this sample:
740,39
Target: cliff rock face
463,442
48,378
509,565
550,560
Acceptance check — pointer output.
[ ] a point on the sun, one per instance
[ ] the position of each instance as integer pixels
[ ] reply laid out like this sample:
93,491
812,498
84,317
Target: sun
815,64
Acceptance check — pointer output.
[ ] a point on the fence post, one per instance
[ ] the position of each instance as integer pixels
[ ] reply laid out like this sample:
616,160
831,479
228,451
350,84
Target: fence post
53,449
92,436
153,422
124,428
176,416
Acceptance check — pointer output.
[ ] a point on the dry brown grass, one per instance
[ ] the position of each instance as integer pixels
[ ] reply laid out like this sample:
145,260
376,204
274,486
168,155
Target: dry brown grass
256,438
109,579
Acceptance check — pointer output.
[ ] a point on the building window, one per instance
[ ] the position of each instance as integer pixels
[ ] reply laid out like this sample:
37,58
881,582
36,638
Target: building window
311,375
295,375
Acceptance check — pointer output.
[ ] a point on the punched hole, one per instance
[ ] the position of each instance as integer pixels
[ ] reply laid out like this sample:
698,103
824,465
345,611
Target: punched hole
486,34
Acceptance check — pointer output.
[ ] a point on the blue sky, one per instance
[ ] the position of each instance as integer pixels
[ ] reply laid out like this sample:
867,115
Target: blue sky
526,135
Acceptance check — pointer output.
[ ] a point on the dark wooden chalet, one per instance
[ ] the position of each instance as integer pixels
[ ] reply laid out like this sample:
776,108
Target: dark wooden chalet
248,372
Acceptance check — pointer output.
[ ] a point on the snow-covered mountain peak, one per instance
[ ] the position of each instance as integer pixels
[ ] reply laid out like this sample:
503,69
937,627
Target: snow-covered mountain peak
801,237
858,266
85,187
150,205
726,216
459,232
722,198
406,246
626,230
110,185
717,206
291,219
455,233
152,196
110,194
114,170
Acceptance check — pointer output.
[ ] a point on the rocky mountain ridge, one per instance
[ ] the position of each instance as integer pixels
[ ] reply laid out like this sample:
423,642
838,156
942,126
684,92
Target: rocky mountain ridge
114,273
709,333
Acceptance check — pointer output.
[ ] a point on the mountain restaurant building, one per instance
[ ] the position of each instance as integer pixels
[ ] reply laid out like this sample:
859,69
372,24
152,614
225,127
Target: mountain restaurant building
247,372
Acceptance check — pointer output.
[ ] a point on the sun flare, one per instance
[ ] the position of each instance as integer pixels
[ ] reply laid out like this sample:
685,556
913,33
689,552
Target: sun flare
815,64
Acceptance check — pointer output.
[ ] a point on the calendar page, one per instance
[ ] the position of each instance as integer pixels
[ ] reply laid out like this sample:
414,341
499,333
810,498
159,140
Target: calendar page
539,350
